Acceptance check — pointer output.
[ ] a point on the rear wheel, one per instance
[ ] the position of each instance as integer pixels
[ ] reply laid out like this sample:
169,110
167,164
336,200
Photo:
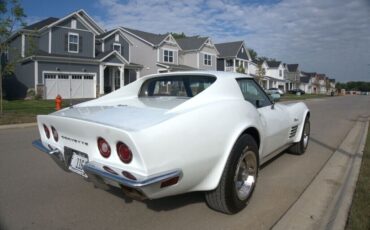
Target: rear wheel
300,147
238,179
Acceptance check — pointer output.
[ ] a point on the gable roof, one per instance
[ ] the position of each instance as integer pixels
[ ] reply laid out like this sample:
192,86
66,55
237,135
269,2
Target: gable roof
104,34
305,79
191,43
40,24
103,56
229,49
152,39
83,16
292,67
309,74
273,64
110,32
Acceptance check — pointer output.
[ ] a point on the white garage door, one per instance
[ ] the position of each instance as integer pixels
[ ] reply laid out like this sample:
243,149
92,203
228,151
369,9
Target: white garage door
68,85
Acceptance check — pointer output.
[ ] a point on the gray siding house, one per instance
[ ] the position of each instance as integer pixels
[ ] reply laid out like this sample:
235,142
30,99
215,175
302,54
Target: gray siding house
232,55
293,76
198,52
72,56
157,53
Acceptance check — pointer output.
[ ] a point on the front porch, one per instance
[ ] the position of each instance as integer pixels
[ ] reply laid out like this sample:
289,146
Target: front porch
113,77
231,65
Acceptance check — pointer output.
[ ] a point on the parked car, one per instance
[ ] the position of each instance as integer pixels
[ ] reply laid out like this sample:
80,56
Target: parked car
295,91
174,133
276,90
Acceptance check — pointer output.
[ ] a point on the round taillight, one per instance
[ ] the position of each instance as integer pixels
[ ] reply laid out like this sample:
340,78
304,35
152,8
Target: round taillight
103,147
124,152
47,132
55,134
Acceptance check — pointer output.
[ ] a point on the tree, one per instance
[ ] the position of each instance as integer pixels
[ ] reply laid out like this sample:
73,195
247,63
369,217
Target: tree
240,69
261,72
178,35
11,16
253,54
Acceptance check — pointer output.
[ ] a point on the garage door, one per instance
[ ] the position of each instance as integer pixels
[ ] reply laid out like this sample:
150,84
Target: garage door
69,85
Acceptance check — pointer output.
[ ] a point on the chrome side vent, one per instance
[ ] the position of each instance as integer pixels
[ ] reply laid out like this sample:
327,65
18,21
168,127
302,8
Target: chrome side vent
293,131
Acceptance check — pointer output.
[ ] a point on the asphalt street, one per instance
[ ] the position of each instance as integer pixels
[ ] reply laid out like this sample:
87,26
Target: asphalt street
36,194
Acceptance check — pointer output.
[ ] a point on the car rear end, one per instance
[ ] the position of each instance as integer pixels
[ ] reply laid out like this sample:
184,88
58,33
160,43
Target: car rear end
101,153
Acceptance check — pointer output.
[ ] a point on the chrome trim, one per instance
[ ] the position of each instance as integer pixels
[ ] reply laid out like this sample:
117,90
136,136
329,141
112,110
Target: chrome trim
97,175
92,169
55,154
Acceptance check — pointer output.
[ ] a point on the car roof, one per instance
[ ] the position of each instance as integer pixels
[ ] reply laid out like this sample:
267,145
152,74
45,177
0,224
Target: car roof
217,74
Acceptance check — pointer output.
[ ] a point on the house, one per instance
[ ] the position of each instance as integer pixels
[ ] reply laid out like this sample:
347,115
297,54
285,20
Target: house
157,53
293,76
323,83
233,55
71,56
275,72
332,85
198,52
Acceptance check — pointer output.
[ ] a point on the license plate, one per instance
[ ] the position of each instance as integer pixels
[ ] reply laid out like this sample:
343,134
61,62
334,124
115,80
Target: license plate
77,164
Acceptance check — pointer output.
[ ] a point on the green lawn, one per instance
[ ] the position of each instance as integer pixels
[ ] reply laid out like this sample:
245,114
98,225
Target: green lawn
24,111
289,97
359,216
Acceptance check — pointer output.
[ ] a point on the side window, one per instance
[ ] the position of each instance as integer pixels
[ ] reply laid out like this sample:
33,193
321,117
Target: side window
253,93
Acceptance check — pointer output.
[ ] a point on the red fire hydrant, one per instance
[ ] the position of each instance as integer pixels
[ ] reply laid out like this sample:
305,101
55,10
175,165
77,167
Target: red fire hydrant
58,102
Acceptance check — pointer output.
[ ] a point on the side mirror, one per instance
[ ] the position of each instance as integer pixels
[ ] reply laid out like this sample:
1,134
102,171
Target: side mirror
275,97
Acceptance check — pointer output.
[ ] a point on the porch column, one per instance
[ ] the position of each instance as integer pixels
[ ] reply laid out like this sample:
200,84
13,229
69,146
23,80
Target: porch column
137,74
234,65
101,79
113,78
121,77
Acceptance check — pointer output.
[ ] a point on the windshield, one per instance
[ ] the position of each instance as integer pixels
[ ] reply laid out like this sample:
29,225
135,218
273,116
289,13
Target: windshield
175,86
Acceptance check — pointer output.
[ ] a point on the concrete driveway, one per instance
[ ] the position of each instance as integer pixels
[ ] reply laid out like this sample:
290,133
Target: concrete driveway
36,194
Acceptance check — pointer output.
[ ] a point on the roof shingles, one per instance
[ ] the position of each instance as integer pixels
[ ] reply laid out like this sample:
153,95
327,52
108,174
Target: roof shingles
154,39
229,49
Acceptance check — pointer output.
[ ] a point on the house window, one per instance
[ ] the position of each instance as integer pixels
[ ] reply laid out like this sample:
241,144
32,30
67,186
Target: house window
207,59
116,38
168,56
280,72
117,47
73,42
229,62
242,49
73,23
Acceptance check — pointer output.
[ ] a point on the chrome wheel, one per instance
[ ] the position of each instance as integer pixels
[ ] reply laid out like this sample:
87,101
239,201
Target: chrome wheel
306,134
245,174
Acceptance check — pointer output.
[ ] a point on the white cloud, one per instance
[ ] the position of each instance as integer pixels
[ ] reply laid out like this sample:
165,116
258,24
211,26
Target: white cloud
330,36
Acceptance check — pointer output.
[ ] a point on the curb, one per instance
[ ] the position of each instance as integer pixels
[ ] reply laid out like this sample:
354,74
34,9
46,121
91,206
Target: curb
18,126
326,201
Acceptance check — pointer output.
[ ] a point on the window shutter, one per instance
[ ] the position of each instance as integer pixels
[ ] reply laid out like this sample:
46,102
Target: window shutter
80,45
66,42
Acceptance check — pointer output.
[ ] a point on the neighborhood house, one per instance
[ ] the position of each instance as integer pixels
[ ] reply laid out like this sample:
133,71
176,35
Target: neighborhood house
76,58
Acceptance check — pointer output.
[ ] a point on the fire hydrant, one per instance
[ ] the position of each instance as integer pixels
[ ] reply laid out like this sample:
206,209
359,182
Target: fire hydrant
58,102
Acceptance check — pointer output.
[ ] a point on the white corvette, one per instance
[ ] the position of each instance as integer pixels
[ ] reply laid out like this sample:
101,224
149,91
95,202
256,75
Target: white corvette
174,133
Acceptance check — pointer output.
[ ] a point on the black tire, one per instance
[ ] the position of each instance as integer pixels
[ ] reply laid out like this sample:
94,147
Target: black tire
226,197
300,147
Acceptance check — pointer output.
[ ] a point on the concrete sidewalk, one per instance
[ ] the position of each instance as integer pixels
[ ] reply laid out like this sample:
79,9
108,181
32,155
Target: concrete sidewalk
16,126
325,203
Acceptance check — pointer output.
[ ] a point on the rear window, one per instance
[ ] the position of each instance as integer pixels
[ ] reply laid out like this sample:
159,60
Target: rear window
175,86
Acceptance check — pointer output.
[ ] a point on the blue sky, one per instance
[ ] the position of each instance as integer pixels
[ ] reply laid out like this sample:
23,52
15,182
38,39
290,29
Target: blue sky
325,36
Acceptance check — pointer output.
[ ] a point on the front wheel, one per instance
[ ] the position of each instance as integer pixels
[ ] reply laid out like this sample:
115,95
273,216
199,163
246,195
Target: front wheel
238,179
300,147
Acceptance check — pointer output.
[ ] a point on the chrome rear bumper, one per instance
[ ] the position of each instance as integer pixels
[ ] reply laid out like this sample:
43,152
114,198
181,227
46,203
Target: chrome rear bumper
99,173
